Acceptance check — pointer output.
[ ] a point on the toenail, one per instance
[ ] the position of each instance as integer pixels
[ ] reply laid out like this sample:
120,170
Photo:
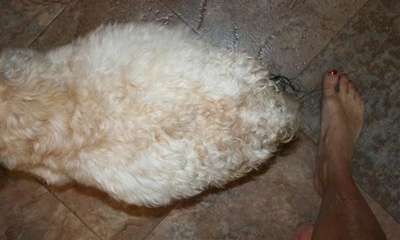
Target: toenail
332,72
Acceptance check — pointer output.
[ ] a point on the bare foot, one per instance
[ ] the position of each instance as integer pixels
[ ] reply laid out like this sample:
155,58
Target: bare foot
341,123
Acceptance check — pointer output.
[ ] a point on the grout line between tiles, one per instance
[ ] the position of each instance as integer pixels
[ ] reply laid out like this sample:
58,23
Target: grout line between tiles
332,38
50,22
69,209
159,223
180,17
203,9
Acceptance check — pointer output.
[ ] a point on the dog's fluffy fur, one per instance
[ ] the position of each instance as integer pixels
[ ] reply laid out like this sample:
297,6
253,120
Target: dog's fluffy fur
146,113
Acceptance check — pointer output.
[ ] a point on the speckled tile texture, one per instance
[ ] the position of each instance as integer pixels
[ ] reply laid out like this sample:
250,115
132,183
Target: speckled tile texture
81,17
29,211
299,39
22,21
286,35
107,217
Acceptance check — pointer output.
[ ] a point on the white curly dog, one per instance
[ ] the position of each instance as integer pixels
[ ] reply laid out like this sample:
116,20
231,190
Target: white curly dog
146,113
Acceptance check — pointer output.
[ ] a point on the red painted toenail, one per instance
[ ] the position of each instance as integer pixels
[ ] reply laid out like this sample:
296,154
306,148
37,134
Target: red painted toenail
332,72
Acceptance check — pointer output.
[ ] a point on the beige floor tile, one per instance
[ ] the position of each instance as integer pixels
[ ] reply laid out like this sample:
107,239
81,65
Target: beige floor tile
81,17
22,21
287,35
107,217
30,211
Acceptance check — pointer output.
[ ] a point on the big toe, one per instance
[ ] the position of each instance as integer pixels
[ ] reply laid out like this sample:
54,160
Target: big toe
330,82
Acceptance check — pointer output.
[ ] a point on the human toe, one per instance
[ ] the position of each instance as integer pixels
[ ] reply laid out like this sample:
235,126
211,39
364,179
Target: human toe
343,83
329,82
351,89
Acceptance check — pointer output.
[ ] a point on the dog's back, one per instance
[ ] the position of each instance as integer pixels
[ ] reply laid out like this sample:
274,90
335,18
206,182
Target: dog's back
146,113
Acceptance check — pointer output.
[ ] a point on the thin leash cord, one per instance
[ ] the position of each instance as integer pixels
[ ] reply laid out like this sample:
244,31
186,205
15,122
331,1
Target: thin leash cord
288,86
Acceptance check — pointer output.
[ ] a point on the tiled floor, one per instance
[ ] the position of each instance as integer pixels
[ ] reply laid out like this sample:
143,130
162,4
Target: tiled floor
299,39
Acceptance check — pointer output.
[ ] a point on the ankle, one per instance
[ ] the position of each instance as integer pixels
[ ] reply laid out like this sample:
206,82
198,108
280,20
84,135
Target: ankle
334,173
338,178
